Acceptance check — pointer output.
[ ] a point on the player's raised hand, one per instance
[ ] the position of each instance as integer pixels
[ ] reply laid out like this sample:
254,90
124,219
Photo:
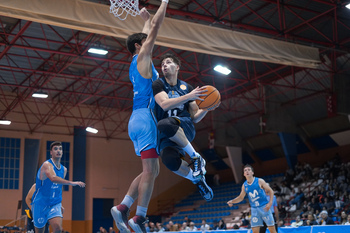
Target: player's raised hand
144,14
197,93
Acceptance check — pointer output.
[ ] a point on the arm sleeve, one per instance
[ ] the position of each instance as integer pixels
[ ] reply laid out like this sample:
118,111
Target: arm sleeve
157,87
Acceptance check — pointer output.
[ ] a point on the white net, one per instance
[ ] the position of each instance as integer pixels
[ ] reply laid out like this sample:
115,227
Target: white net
122,8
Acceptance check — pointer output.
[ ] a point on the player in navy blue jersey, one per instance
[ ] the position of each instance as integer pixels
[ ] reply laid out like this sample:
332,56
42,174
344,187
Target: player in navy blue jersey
47,198
142,126
176,111
257,189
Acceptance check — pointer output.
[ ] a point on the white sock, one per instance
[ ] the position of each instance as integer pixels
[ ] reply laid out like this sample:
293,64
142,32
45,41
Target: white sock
128,201
190,150
141,211
190,176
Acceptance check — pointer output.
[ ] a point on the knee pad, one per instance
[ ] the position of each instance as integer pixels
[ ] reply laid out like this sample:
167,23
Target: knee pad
171,158
168,126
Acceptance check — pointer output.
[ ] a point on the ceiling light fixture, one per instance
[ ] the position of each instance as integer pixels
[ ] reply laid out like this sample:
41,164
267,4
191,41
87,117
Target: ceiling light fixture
91,130
5,122
98,51
348,6
40,94
222,69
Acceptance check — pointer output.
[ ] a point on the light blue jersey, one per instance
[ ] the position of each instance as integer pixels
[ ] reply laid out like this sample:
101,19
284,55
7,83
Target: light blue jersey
47,192
143,93
142,127
258,200
257,196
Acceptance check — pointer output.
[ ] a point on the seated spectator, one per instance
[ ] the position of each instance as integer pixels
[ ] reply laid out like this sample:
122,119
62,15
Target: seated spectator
281,211
299,196
343,218
298,222
204,226
328,205
192,227
284,189
305,206
147,227
222,225
184,227
160,228
310,221
280,223
315,205
111,230
152,227
309,210
245,219
325,220
348,222
235,227
187,220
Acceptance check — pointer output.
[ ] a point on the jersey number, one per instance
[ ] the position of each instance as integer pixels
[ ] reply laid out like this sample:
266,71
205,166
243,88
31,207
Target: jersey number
172,113
256,203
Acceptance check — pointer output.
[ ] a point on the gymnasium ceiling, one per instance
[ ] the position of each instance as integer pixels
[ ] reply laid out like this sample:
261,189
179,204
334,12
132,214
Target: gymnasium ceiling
259,99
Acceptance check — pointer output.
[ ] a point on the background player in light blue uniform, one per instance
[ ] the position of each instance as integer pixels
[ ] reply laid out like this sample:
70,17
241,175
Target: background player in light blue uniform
176,112
257,189
46,205
142,124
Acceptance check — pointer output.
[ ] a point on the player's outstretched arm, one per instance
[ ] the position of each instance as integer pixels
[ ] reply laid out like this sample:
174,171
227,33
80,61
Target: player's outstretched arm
237,199
144,60
144,14
47,171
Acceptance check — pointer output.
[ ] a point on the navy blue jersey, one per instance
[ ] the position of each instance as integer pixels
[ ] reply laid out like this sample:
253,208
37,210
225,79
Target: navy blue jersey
180,89
143,96
47,192
257,196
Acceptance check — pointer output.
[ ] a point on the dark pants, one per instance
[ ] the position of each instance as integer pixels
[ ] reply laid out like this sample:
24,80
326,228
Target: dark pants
263,228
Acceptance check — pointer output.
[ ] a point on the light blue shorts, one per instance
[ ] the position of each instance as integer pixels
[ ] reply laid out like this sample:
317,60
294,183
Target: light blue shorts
259,215
143,130
42,213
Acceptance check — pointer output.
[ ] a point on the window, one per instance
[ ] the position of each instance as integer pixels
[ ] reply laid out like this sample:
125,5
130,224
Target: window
9,162
64,160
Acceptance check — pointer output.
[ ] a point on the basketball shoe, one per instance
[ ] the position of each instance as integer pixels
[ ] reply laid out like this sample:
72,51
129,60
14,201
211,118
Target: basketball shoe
204,189
198,166
120,215
137,223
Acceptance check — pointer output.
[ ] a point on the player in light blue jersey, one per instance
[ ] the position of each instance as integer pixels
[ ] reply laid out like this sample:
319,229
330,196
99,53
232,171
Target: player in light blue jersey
47,198
257,189
142,124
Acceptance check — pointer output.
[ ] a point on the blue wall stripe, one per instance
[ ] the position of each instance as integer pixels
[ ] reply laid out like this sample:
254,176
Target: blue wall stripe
288,141
79,164
31,159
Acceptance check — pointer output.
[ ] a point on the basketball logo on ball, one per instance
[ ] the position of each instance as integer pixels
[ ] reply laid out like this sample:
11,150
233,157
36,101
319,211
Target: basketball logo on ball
211,100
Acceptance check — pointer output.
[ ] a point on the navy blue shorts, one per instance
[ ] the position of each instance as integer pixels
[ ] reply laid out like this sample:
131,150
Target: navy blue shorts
187,125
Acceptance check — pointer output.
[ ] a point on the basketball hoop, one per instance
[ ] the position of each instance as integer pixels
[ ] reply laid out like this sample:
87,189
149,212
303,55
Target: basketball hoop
122,8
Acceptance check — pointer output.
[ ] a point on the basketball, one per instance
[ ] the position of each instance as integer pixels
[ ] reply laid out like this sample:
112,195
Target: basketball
211,99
